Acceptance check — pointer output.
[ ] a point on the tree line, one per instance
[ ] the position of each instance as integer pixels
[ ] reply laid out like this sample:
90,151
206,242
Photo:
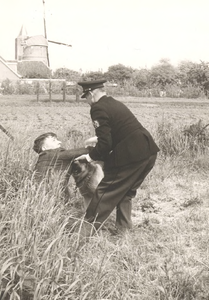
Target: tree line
188,79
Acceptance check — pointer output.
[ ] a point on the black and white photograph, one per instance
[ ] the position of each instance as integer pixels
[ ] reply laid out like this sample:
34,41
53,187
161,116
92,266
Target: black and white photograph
104,152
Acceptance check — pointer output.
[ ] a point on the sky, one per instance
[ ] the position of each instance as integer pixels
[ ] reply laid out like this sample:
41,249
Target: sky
135,33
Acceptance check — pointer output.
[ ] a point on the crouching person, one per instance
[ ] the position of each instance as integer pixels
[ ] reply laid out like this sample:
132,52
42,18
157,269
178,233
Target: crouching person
128,151
53,160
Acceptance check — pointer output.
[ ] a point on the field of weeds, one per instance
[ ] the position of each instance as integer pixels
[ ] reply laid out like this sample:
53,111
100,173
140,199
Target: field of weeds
166,254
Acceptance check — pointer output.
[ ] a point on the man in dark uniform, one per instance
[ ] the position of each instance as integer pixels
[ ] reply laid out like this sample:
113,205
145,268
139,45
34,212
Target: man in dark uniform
127,149
53,159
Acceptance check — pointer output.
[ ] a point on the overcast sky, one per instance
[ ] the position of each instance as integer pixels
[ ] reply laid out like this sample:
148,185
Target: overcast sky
136,33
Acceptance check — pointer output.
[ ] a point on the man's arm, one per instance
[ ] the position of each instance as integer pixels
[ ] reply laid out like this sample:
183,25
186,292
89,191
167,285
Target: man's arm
69,155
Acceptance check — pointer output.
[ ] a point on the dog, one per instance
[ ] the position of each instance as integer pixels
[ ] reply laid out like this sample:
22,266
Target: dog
87,176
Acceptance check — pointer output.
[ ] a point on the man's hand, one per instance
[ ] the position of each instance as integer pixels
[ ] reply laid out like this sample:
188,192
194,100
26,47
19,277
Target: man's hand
91,141
84,157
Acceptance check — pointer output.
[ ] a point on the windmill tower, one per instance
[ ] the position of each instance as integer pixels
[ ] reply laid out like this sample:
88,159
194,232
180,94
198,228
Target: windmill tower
20,43
31,55
31,48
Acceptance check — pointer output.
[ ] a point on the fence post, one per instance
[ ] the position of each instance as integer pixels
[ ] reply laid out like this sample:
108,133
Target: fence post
37,90
50,90
64,90
77,93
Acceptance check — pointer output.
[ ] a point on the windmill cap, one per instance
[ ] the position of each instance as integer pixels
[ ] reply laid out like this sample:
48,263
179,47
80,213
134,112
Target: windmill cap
91,85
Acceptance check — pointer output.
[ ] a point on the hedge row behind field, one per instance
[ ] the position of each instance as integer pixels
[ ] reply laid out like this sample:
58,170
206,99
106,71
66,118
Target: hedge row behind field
172,91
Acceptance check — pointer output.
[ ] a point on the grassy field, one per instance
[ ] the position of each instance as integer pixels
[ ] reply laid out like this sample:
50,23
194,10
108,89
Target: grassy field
166,254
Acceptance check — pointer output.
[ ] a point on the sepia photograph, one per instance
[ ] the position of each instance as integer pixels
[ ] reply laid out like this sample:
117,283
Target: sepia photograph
104,153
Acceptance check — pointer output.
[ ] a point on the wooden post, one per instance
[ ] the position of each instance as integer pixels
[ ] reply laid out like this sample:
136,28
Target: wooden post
76,94
37,90
64,90
50,90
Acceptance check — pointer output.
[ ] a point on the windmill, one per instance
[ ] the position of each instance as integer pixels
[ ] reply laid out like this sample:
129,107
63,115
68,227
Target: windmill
45,34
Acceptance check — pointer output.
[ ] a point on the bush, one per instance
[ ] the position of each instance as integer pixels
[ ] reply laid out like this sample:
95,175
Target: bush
173,91
8,87
127,89
115,91
191,91
197,136
24,88
131,90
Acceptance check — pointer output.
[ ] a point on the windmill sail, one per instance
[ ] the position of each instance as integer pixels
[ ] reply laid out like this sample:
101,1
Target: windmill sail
60,43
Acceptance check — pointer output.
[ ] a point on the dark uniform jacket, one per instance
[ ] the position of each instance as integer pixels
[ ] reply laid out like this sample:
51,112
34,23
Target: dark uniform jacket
56,160
121,137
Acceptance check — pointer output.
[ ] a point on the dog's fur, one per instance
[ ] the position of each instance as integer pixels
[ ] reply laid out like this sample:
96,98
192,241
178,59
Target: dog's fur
87,176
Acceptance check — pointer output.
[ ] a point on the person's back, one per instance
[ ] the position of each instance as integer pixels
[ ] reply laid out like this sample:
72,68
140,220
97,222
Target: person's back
121,119
129,139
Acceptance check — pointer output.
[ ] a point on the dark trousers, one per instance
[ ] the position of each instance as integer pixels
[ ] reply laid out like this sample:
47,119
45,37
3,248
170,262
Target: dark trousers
117,189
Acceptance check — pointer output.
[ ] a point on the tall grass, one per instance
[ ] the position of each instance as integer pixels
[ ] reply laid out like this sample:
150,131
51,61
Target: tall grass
43,254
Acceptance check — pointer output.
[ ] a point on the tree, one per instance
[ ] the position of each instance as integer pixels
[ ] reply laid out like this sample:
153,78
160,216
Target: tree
184,73
69,75
196,74
162,74
141,79
93,75
119,74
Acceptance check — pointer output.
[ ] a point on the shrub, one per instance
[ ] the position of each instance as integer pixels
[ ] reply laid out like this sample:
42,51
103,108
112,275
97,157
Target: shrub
115,91
191,91
24,88
197,136
57,87
130,89
8,87
173,91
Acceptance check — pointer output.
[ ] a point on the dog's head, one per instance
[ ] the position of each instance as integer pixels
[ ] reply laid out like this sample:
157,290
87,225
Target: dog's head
79,169
87,176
